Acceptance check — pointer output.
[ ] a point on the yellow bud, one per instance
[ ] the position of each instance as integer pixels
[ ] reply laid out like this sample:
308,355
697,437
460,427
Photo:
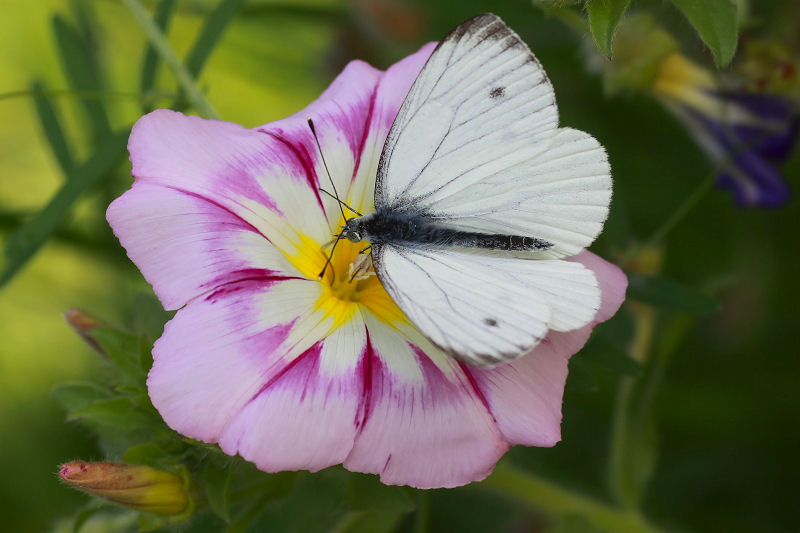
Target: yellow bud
136,486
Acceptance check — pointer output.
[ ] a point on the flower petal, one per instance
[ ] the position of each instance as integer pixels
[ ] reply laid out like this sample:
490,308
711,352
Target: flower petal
305,418
422,427
186,246
217,353
525,395
352,119
247,172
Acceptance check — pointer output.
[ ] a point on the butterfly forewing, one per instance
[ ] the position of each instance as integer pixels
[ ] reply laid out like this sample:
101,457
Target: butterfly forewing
486,309
476,146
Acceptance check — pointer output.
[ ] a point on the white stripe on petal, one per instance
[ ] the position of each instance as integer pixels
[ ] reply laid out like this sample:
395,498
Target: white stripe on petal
219,351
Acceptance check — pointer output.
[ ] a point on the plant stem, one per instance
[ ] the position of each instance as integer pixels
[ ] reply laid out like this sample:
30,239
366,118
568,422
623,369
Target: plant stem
87,95
159,42
551,499
688,204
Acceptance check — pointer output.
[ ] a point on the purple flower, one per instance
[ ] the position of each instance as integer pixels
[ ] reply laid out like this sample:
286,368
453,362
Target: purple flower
290,372
745,134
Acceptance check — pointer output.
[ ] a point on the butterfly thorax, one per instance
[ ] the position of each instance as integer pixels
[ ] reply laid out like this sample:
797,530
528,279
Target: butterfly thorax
385,226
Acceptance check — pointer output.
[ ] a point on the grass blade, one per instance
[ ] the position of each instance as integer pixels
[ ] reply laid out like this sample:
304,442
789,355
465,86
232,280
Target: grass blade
163,14
156,38
209,36
51,127
82,73
28,238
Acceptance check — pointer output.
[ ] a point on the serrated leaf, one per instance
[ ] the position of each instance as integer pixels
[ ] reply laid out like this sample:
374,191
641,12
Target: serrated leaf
716,22
604,17
82,72
73,396
217,481
669,295
213,27
28,238
115,412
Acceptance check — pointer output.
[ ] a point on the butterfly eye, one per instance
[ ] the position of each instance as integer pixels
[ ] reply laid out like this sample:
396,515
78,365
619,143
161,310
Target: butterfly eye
354,236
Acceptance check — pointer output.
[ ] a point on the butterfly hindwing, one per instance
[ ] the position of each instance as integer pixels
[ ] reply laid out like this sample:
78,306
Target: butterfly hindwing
476,146
485,309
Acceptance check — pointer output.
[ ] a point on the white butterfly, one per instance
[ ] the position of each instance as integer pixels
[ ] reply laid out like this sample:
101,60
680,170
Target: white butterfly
479,194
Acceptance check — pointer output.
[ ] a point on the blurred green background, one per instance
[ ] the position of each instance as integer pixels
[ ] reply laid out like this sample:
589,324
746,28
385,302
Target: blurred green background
723,425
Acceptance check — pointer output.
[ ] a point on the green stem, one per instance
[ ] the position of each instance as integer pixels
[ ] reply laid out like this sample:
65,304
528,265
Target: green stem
688,204
543,495
159,42
87,95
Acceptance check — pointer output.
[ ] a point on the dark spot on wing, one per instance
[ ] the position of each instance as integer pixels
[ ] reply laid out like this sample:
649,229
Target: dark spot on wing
497,92
490,321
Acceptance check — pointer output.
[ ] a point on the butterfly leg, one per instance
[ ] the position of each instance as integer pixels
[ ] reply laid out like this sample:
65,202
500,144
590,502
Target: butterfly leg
359,269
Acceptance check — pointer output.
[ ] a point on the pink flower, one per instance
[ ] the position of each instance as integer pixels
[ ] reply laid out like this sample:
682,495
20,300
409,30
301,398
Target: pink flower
294,373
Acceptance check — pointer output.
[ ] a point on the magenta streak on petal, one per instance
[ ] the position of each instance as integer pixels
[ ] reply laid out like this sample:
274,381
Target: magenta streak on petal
365,133
242,177
474,384
302,155
314,352
244,274
365,369
250,283
220,206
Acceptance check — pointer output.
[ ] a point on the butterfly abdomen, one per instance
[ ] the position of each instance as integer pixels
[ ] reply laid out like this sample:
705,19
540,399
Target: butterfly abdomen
392,227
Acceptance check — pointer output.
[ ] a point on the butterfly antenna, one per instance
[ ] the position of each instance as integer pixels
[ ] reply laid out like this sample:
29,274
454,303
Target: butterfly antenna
322,156
328,260
341,202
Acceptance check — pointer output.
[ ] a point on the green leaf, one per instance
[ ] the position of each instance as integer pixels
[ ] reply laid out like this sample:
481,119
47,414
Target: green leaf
717,24
669,295
215,24
149,315
604,17
367,493
82,72
163,14
368,522
607,353
580,380
84,517
73,396
28,238
145,454
51,127
115,412
575,523
217,480
123,350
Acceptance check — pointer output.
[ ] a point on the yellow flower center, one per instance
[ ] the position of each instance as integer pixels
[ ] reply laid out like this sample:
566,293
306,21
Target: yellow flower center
349,281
